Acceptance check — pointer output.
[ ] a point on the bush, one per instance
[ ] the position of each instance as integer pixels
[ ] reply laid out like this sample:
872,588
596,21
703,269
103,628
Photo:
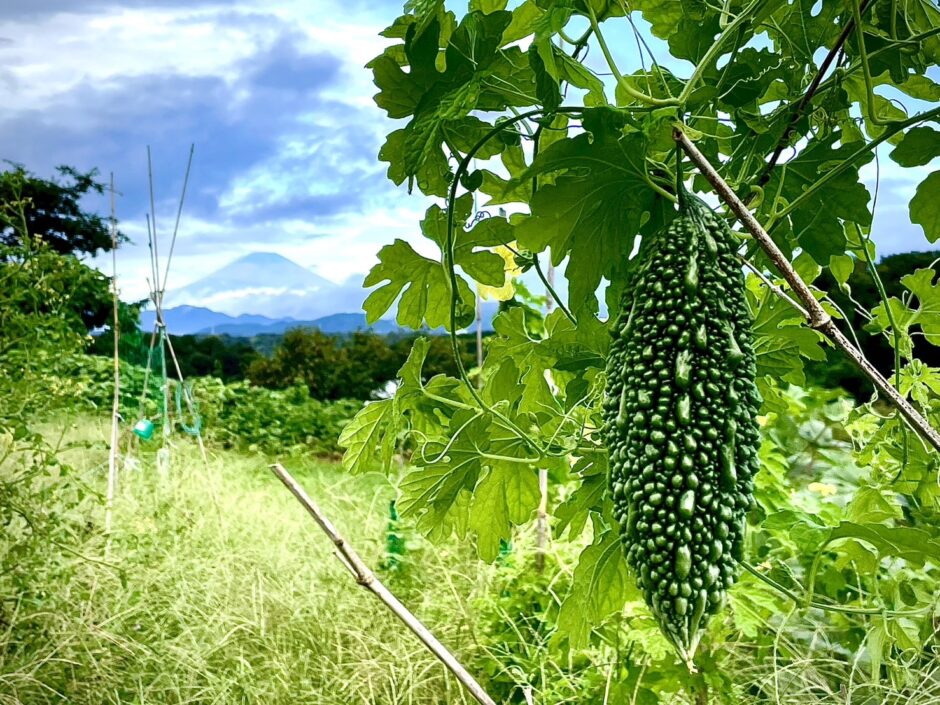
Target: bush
235,415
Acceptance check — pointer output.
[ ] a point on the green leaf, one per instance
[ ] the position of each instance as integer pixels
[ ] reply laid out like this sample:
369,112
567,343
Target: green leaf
438,497
374,425
524,19
916,546
919,146
580,76
482,460
842,267
507,495
573,513
920,87
464,133
803,530
780,337
546,86
444,468
925,206
439,102
507,81
920,382
753,604
422,285
817,224
750,75
870,506
487,6
926,315
600,588
663,15
508,191
484,266
804,26
694,35
594,208
431,170
410,372
911,544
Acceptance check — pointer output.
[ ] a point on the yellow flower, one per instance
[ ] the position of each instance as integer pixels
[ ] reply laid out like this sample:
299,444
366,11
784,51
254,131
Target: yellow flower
508,289
825,489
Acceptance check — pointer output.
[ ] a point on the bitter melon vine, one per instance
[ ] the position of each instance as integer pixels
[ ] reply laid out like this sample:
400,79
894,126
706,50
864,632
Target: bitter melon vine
542,108
680,421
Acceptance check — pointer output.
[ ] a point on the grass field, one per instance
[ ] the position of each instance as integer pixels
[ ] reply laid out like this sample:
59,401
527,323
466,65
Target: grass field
217,587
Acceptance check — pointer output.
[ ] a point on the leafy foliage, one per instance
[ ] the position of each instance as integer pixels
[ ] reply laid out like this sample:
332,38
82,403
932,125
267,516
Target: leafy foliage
42,338
53,211
592,181
236,414
40,219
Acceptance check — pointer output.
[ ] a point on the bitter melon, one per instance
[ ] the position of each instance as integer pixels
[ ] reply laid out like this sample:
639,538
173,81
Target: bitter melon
679,414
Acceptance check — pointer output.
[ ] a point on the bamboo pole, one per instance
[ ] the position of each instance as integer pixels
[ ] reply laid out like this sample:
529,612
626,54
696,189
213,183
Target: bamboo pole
816,316
367,579
115,406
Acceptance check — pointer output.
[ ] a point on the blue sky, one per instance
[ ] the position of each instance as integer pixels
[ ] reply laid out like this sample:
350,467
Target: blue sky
276,99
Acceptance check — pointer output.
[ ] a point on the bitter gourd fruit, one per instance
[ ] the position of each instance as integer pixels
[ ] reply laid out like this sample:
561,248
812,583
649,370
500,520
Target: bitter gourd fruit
679,414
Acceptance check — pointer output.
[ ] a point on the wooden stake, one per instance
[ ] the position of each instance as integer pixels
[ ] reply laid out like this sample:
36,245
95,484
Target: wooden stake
115,407
817,317
367,579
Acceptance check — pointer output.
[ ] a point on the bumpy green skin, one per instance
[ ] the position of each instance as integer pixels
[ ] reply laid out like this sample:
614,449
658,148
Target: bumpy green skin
680,412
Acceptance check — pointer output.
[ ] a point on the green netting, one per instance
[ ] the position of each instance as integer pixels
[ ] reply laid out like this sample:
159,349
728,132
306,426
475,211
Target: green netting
193,428
155,374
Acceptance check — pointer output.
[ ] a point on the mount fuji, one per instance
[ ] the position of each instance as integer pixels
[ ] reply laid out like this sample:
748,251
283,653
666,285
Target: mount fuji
270,285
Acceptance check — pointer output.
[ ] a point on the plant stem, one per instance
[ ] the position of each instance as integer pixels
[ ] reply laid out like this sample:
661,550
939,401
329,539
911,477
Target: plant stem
866,69
451,270
551,290
889,132
116,399
621,81
818,318
822,606
895,333
713,50
811,90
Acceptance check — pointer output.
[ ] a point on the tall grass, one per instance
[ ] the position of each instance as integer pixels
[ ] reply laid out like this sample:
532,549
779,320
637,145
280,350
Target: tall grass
217,588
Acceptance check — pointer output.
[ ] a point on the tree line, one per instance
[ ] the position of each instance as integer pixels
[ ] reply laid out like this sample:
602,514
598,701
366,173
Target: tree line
353,366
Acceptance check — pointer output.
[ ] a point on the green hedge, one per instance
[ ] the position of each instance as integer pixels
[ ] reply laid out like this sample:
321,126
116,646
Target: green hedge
234,415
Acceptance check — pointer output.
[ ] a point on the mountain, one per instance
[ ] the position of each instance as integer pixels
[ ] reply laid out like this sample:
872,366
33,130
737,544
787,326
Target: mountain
196,320
335,323
348,323
269,285
182,320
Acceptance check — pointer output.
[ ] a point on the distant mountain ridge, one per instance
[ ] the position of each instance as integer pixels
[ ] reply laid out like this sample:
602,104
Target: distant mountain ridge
184,320
197,320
